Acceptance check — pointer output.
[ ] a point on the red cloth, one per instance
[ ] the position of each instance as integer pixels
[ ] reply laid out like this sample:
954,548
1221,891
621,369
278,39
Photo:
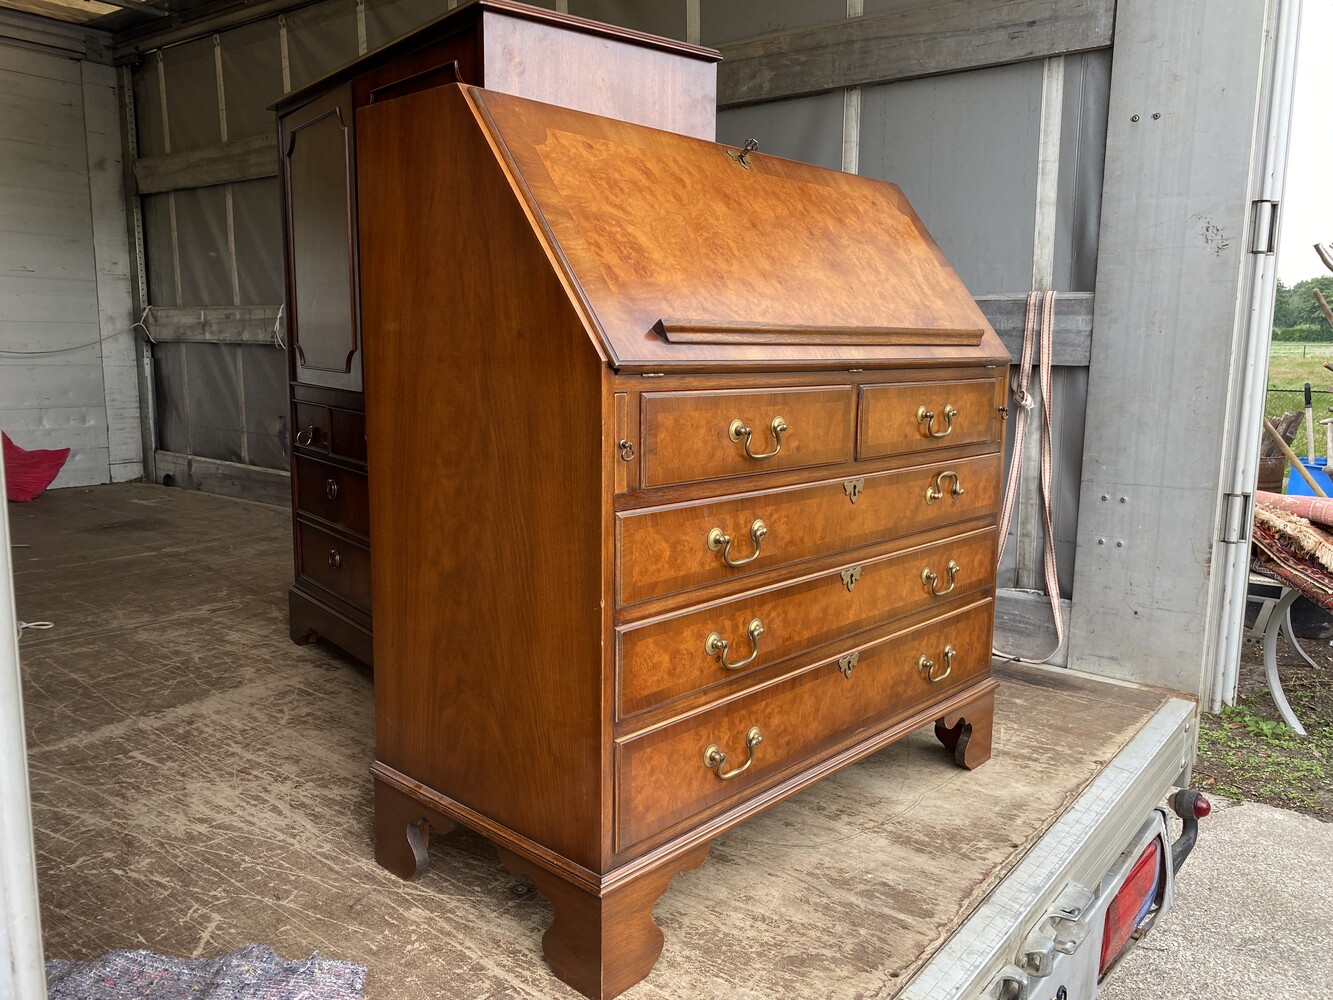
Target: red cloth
1317,510
29,473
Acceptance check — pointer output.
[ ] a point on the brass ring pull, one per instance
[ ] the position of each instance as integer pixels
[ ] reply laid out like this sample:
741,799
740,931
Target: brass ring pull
335,559
331,489
716,759
927,666
927,417
929,579
718,542
626,447
715,645
936,492
738,432
305,438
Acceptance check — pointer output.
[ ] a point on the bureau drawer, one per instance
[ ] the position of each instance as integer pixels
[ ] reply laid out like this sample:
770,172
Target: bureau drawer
339,566
333,494
690,436
665,659
663,777
668,550
905,417
330,430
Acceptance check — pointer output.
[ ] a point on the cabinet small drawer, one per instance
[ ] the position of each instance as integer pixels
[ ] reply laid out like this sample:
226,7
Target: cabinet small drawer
669,550
689,436
905,417
668,776
668,658
331,431
340,566
332,494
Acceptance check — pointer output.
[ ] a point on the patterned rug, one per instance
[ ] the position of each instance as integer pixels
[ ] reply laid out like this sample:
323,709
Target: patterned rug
250,973
1292,544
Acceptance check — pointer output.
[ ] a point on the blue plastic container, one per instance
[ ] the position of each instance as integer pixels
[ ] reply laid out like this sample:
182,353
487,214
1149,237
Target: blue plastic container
1296,484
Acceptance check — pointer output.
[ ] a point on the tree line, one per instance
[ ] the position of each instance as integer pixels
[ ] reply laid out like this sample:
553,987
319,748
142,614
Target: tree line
1296,314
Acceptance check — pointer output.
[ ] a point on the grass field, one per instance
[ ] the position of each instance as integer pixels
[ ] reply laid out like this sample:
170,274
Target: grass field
1290,366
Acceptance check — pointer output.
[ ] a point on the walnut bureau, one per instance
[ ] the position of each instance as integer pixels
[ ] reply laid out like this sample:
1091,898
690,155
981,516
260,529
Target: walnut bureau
684,474
495,43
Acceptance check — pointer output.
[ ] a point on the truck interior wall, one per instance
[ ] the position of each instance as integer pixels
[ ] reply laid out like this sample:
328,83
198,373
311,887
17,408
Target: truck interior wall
971,171
67,369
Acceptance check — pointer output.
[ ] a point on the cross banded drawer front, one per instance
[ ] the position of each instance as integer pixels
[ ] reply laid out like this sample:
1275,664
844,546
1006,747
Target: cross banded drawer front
905,417
340,566
332,494
667,776
669,658
669,550
691,436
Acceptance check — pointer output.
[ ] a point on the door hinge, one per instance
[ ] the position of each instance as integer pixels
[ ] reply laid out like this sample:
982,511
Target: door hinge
1263,226
1237,509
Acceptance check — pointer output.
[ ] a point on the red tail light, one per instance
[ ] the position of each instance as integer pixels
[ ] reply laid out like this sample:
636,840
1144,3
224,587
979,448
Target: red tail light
1131,904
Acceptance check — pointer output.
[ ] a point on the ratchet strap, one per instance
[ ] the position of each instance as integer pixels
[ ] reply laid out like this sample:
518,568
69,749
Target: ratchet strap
1038,332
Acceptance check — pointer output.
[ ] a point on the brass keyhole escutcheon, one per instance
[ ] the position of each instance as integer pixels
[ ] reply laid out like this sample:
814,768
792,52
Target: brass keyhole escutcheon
850,576
721,543
848,663
716,760
717,646
936,492
738,432
854,488
930,579
926,418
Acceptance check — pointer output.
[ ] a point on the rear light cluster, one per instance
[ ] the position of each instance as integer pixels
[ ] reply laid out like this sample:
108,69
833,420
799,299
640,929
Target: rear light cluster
1132,903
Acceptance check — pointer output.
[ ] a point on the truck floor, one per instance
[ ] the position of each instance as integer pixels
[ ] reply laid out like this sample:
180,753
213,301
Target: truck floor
199,782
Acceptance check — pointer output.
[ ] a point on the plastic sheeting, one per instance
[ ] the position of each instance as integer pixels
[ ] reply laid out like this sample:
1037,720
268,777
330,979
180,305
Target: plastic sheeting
652,16
158,257
387,21
257,221
251,77
726,22
803,128
192,95
320,37
201,243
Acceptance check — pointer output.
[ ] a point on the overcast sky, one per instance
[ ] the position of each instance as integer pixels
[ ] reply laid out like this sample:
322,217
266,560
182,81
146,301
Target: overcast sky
1307,209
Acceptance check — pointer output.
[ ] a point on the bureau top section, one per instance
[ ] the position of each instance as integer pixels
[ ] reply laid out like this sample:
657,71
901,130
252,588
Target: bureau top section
680,251
543,55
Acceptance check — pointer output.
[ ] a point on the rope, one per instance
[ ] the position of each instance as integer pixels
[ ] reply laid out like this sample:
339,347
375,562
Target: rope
1039,326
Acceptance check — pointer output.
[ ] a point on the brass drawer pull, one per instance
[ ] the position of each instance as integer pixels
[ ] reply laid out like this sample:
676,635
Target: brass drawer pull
335,559
738,432
715,645
936,492
927,666
716,759
331,489
305,438
927,417
718,542
929,579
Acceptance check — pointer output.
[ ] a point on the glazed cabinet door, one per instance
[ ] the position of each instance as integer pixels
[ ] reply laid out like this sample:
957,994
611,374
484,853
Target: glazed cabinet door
319,178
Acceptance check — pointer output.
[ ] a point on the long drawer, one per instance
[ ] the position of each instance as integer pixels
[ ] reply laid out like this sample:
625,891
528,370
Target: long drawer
691,436
333,494
900,418
670,775
667,658
668,550
340,566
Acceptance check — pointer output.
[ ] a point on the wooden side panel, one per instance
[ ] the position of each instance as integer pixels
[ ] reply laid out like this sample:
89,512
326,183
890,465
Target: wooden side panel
601,75
484,433
319,174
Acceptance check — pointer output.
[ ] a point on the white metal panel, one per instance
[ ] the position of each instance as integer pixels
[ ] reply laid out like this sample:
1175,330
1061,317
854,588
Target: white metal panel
1185,89
65,341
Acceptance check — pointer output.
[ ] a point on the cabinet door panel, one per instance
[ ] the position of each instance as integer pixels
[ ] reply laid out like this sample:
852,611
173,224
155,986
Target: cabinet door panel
323,311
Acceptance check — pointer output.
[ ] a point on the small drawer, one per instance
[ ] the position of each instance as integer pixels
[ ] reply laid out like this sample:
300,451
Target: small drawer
668,776
340,566
332,494
905,417
669,550
331,431
689,436
700,649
